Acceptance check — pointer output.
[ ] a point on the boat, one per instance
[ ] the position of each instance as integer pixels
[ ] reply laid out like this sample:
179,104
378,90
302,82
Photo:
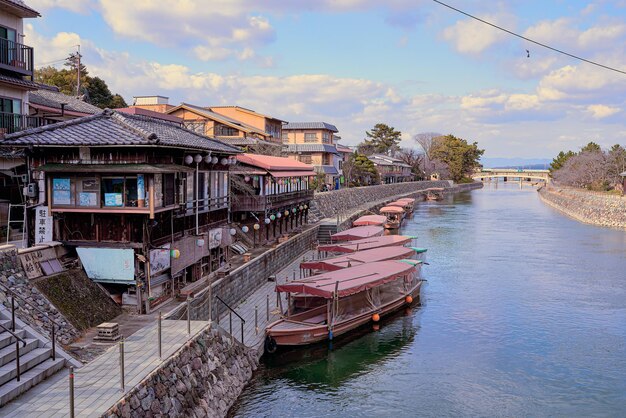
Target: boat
394,216
359,232
410,202
378,220
365,244
405,205
342,300
434,193
358,258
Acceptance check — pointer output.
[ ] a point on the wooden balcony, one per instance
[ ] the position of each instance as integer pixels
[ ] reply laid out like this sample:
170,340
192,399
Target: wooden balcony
263,203
16,57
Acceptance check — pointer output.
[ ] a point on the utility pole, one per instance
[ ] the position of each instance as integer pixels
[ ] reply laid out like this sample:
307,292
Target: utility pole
78,56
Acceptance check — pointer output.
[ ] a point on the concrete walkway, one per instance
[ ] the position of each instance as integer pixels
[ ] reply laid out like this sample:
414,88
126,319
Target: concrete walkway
97,385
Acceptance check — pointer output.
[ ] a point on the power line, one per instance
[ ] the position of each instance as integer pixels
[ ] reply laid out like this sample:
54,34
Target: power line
530,40
50,62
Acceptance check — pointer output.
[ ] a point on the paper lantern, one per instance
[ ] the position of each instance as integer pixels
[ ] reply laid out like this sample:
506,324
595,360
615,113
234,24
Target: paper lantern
207,159
214,160
286,213
256,227
293,210
197,158
278,215
273,217
267,220
245,229
188,159
301,207
223,161
175,253
306,206
233,231
247,178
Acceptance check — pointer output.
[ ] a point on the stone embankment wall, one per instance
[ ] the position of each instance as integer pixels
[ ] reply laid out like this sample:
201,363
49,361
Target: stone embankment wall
13,276
203,378
595,208
345,201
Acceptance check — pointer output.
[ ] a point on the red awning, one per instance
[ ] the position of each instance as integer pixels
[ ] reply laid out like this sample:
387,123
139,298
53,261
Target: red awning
391,209
358,233
366,244
406,199
370,220
398,203
358,258
348,281
279,174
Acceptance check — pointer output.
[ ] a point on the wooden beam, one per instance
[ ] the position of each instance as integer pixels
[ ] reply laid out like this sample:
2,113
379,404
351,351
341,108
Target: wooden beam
151,192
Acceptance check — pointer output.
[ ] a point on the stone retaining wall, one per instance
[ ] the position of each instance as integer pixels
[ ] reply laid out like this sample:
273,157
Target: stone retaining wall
13,276
595,208
203,378
329,204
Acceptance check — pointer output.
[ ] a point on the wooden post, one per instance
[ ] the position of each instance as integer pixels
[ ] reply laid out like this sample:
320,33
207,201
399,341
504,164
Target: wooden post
151,192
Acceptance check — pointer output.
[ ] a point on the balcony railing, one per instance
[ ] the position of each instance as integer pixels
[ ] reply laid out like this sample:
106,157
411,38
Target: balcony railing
262,203
14,122
16,57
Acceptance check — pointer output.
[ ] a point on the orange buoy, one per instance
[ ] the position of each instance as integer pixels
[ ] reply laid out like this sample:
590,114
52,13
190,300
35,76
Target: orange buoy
409,299
375,317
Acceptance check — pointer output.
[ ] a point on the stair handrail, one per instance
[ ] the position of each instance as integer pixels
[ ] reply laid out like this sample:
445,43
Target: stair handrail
17,349
243,321
17,337
55,324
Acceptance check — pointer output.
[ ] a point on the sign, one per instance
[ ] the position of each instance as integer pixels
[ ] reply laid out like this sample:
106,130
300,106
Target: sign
215,238
111,265
61,192
113,199
43,225
160,259
31,259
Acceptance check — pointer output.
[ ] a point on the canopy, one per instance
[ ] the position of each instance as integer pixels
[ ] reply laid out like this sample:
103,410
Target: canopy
418,250
406,199
280,174
358,258
366,244
370,220
399,203
348,281
391,209
358,233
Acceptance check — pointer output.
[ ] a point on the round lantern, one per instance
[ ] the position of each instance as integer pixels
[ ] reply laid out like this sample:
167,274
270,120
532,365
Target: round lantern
273,217
175,254
207,159
188,159
197,158
278,215
301,207
232,231
306,206
223,161
245,229
293,210
256,227
214,160
286,213
267,220
247,178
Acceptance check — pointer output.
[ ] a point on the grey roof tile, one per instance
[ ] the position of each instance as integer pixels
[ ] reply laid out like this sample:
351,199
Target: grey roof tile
310,125
311,148
51,98
18,82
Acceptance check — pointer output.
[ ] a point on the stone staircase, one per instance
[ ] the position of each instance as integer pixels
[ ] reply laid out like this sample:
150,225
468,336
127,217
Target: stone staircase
36,363
325,230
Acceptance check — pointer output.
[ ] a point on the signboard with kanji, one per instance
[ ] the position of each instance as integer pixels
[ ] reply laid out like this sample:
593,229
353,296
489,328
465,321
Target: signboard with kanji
43,225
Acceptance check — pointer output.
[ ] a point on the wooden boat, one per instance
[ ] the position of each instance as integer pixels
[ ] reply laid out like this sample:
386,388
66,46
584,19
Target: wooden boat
407,206
343,300
358,258
359,232
378,220
410,202
394,216
365,244
434,193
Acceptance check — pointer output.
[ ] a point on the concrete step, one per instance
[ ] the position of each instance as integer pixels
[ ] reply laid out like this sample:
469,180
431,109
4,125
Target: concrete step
6,338
27,362
7,354
32,377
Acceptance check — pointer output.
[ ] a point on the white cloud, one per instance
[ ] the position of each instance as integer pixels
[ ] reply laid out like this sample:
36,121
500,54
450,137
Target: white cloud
470,36
76,6
599,111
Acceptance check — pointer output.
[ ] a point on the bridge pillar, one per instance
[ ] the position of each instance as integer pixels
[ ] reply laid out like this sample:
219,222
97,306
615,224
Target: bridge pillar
505,179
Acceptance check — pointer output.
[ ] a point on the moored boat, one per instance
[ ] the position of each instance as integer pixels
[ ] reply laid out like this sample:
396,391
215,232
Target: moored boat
342,300
358,232
365,244
394,216
358,258
365,220
410,202
406,206
434,193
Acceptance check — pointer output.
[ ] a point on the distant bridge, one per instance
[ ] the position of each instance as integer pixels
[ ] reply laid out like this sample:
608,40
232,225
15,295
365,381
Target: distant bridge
511,174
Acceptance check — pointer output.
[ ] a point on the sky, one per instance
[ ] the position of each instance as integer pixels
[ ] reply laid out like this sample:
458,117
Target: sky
412,64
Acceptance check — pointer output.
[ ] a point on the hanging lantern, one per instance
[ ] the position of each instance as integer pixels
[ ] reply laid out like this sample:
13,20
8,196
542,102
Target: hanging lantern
256,227
247,178
197,158
267,221
188,159
232,231
279,215
245,229
286,213
301,207
273,217
223,161
294,210
174,253
207,159
306,206
214,160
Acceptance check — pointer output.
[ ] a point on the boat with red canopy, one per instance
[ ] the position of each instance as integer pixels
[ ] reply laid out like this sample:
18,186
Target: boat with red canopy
370,220
341,301
358,258
359,232
394,215
365,244
407,205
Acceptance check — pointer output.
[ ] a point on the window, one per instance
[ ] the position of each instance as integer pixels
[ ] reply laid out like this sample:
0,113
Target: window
310,137
119,191
326,159
223,130
196,126
169,189
88,191
326,138
62,192
285,137
305,159
340,164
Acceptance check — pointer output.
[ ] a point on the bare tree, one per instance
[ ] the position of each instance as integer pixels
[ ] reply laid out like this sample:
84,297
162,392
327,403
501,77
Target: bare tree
413,158
425,140
586,169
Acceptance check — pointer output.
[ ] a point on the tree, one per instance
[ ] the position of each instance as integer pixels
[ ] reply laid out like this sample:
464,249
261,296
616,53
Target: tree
382,139
425,140
560,160
358,170
413,158
460,156
591,147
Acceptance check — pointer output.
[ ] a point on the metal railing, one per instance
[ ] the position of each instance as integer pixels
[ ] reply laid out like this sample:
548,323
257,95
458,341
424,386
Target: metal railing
15,122
230,318
18,339
259,203
17,57
54,324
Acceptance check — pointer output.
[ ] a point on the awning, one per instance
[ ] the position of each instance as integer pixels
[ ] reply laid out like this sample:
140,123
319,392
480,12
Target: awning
358,258
366,244
348,281
249,171
370,220
113,168
359,232
391,209
279,174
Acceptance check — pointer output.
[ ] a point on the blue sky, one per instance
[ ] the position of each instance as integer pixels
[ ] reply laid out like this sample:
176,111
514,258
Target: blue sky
413,64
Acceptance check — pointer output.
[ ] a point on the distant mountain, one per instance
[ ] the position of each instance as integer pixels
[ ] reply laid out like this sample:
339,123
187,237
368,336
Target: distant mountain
530,163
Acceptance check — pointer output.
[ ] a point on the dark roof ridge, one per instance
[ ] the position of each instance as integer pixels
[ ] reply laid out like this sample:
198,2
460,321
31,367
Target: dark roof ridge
119,118
63,124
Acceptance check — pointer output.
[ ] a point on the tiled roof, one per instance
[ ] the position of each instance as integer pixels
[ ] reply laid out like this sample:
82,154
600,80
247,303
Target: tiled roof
310,148
49,98
22,7
310,125
209,114
387,160
326,169
342,148
111,128
269,162
30,85
244,141
244,109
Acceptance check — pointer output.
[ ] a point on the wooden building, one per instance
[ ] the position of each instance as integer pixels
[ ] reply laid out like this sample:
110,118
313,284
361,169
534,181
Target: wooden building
143,201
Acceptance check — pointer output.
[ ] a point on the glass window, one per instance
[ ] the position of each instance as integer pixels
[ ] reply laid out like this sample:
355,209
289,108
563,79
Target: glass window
310,137
196,126
88,191
62,192
113,191
169,189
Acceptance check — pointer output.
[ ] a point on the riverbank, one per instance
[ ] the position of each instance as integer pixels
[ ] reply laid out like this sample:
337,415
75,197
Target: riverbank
585,206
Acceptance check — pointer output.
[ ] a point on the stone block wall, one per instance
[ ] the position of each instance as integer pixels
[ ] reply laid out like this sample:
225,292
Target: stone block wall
203,378
595,208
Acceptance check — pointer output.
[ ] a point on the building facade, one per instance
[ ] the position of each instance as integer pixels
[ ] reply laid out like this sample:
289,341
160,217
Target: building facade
390,169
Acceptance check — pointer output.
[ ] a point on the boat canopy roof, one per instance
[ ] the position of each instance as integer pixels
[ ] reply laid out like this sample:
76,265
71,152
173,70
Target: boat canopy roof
406,199
348,281
399,203
358,258
391,209
358,233
370,220
366,244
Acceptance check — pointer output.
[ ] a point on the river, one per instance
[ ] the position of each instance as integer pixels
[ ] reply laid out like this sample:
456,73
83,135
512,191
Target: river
523,314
